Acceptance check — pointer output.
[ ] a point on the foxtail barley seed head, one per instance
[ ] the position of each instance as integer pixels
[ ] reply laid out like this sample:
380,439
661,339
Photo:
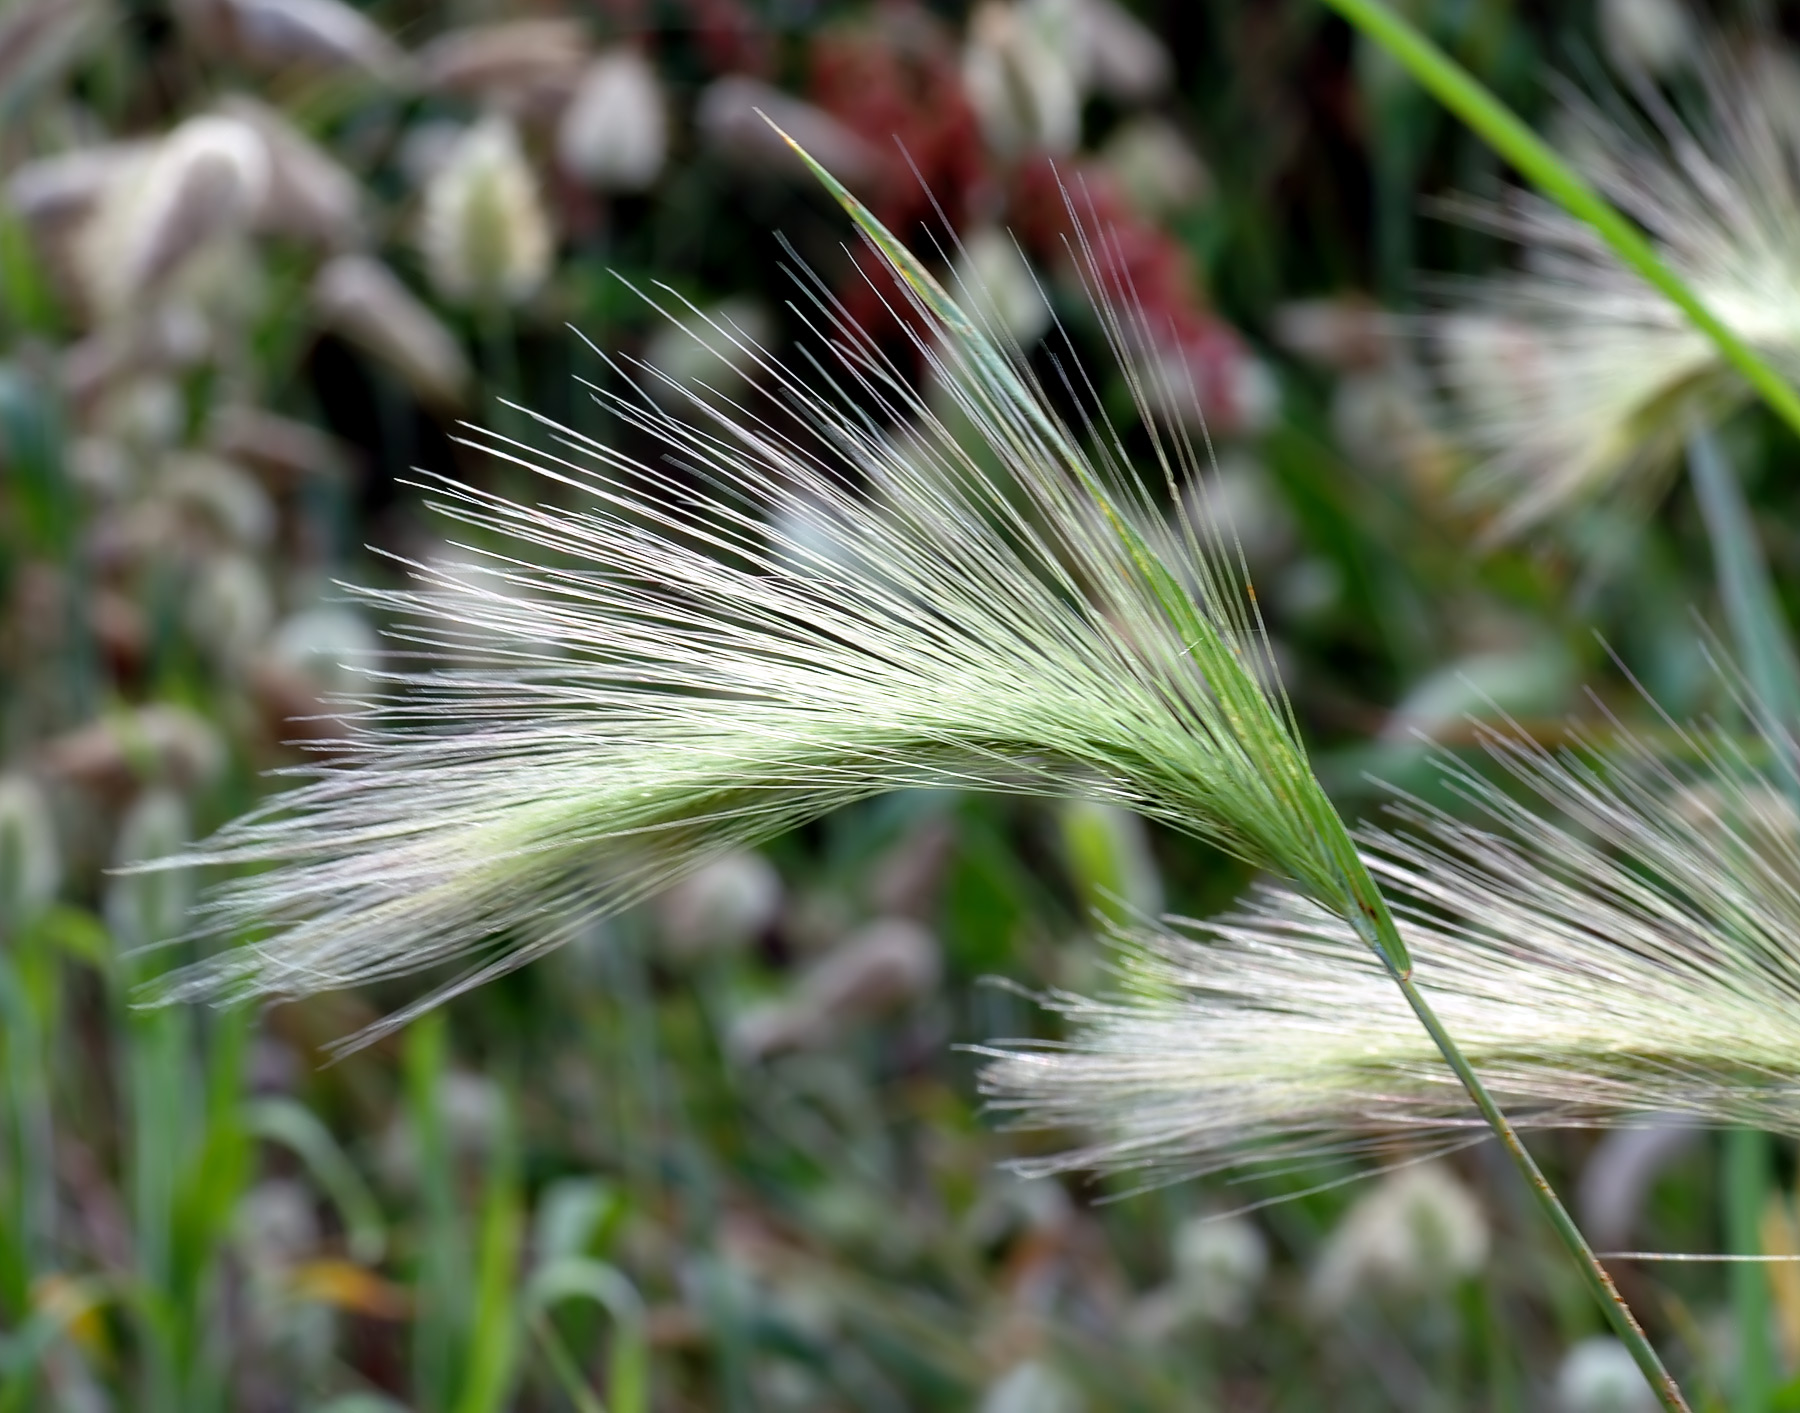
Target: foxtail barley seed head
1625,948
513,66
1575,375
1598,1375
814,594
614,135
360,298
1648,36
1414,1233
1032,1387
1021,82
484,232
280,35
206,180
1218,1264
310,195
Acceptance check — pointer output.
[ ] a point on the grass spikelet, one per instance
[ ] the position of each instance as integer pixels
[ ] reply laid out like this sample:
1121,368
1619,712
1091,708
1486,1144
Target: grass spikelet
815,593
1617,943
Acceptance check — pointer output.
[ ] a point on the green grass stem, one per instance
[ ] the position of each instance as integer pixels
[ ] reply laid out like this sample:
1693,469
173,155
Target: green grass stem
1765,653
1599,1283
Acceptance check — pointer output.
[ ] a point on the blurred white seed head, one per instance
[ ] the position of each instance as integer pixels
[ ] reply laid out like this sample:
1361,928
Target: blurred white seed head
39,39
731,119
1417,1232
1532,682
1336,331
285,452
1192,382
722,906
1574,377
310,195
332,647
30,856
206,180
1156,166
218,503
1220,1264
1384,418
230,609
1022,87
1032,1387
277,35
483,230
160,744
277,1223
360,298
614,135
1106,47
526,68
1598,1375
426,147
1648,36
143,909
472,1113
708,351
1619,1173
144,414
1241,497
53,193
996,279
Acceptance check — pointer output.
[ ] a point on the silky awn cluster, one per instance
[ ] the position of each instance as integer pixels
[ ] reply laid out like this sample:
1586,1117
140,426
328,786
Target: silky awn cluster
817,593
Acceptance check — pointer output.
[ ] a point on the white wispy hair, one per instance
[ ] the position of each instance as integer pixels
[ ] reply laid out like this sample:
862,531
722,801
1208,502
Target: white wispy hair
1575,375
815,594
1614,933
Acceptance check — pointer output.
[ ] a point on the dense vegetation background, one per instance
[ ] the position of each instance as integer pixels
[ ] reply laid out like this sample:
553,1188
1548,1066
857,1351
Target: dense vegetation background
257,258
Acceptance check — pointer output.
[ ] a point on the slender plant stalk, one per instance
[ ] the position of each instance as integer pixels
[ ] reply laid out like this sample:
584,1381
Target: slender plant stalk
1599,1283
1753,614
1765,653
1746,1187
1459,91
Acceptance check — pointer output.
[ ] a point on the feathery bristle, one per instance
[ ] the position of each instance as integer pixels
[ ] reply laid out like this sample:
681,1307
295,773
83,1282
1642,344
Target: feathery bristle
1624,948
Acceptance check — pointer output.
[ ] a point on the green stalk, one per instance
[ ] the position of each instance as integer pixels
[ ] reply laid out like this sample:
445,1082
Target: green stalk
1753,614
1766,655
1747,1181
1599,1283
1459,91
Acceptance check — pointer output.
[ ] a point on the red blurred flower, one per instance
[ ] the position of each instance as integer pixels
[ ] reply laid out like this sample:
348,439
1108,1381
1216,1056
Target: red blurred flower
1190,357
895,81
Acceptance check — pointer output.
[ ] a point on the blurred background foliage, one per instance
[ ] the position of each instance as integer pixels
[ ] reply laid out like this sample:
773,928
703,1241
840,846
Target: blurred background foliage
257,258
